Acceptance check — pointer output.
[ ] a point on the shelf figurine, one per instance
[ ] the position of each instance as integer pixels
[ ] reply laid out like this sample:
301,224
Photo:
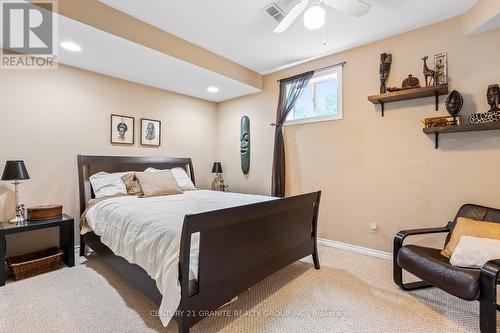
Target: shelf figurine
410,82
454,104
493,97
384,69
428,73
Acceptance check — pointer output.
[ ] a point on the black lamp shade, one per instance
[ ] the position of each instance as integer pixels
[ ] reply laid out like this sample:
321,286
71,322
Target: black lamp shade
217,168
15,170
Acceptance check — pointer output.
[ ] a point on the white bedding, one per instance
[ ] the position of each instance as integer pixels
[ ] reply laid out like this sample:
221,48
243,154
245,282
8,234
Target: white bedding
147,231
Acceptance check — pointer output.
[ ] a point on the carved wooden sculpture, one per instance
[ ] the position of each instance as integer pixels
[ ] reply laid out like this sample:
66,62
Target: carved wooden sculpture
409,83
385,68
454,104
428,73
493,97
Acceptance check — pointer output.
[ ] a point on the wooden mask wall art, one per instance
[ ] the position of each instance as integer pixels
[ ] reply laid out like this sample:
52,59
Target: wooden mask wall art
245,144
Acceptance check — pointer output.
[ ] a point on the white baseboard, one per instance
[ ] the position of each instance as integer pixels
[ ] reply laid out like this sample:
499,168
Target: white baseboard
355,249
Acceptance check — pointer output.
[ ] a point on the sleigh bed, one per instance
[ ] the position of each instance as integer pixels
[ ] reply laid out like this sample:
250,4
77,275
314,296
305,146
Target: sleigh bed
238,246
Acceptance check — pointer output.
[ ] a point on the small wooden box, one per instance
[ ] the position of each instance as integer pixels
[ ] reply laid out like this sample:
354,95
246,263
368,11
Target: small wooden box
41,213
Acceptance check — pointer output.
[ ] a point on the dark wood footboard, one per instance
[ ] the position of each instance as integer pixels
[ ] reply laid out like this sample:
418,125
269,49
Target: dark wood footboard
242,245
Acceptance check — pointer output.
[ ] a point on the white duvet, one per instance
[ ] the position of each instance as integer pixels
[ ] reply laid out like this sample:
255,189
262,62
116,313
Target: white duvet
147,231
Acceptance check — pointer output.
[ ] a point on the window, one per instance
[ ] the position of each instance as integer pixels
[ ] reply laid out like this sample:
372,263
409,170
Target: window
321,99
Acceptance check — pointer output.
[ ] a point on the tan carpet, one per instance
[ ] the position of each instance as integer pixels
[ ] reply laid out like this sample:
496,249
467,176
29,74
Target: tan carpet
351,293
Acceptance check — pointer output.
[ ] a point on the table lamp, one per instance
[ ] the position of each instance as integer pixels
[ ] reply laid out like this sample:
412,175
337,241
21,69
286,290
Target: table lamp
217,169
16,171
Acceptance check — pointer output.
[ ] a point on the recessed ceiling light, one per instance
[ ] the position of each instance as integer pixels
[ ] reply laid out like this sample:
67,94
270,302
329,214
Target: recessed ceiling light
70,46
213,89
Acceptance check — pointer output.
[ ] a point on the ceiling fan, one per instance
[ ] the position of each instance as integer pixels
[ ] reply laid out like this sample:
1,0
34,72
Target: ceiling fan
314,16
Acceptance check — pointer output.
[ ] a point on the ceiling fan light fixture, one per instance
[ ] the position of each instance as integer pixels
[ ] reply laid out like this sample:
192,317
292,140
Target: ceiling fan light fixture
314,17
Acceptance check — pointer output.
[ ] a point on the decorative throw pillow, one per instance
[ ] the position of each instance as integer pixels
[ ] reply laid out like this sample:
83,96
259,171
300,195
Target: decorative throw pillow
180,175
107,184
132,184
474,252
469,227
155,184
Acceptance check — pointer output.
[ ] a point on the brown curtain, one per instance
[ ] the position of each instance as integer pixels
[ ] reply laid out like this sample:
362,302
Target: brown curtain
290,91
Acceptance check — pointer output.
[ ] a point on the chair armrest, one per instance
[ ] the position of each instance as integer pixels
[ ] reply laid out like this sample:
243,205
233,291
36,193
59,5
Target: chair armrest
491,270
405,233
400,236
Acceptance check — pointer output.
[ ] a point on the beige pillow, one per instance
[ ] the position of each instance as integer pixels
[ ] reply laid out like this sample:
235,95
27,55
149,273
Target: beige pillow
155,184
474,252
132,184
183,179
469,227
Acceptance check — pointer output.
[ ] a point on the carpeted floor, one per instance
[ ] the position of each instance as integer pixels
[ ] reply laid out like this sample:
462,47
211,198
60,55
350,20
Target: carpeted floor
351,293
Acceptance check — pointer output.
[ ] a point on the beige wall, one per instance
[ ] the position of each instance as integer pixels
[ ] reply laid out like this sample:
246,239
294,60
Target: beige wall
47,117
374,169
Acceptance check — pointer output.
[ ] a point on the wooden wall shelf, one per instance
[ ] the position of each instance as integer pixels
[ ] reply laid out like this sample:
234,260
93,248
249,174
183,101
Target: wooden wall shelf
460,128
404,95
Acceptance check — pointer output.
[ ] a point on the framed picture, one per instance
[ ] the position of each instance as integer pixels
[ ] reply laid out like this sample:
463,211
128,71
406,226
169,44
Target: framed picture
122,129
150,132
441,66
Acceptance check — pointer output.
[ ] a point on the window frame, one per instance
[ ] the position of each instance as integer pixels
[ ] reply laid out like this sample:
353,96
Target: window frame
318,78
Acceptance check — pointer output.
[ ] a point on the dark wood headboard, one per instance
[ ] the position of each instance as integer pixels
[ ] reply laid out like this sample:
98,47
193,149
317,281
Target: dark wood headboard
90,165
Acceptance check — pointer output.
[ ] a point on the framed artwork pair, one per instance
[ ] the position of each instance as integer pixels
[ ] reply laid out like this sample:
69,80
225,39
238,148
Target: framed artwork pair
123,131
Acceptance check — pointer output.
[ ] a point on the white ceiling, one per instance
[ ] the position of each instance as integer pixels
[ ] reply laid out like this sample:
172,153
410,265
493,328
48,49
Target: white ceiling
108,54
240,31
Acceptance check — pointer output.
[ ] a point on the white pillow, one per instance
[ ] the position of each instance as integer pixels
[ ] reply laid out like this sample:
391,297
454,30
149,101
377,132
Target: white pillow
107,184
474,252
181,177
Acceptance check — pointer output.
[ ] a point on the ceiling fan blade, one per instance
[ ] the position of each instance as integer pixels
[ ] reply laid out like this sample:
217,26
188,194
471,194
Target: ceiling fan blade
354,7
291,16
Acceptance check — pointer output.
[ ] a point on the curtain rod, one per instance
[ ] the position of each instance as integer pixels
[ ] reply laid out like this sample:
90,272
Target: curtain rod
318,70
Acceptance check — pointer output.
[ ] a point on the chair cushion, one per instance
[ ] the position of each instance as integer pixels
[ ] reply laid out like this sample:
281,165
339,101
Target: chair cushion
469,227
428,264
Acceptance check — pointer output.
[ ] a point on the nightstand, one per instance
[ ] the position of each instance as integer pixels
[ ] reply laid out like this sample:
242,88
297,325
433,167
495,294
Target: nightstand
66,238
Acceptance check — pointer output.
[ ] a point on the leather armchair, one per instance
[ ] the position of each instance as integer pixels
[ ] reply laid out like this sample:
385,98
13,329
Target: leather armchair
435,270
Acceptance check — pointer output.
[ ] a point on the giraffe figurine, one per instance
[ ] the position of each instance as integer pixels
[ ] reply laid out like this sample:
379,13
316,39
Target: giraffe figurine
428,73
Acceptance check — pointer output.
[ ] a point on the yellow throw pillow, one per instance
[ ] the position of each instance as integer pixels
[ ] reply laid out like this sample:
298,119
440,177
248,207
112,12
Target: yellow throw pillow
469,227
155,184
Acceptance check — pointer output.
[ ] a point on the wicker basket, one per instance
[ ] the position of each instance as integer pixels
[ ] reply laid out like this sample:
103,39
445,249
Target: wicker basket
34,263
